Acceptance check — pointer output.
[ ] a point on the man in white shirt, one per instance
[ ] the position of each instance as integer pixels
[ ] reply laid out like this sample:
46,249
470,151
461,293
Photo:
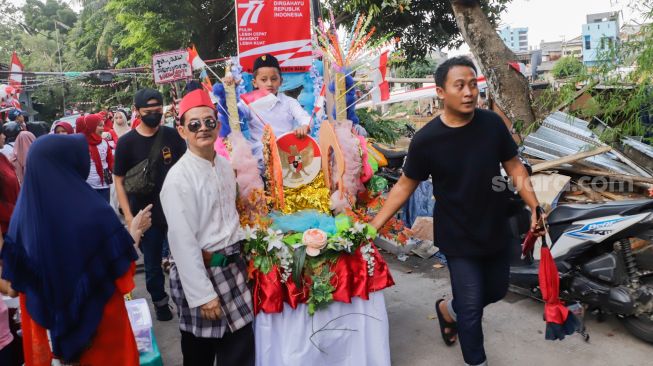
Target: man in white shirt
208,278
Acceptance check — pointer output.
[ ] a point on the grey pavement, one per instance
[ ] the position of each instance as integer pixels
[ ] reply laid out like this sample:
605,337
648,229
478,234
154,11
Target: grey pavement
513,328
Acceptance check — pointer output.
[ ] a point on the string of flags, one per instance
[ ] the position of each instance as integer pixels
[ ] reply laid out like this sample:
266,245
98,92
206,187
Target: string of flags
109,85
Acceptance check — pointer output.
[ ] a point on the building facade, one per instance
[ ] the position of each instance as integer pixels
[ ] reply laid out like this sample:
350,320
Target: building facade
573,48
515,38
600,35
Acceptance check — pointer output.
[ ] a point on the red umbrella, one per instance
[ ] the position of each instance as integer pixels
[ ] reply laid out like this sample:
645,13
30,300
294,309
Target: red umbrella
560,322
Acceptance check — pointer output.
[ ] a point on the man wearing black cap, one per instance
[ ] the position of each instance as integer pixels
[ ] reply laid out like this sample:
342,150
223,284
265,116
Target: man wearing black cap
161,146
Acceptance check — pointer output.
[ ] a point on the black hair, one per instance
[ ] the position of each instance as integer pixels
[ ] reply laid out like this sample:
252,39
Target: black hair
443,69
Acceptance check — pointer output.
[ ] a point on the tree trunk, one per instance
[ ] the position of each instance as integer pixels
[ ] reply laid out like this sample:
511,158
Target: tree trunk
509,88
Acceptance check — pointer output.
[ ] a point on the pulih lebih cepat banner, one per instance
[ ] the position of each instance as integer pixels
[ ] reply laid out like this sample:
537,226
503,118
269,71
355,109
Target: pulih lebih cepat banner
278,27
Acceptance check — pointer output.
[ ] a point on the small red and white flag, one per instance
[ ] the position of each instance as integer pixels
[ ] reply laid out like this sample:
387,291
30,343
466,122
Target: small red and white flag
481,82
16,76
195,60
318,106
259,100
381,90
518,66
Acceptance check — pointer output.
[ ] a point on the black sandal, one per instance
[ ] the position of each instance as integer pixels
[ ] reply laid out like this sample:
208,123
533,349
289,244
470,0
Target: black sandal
444,325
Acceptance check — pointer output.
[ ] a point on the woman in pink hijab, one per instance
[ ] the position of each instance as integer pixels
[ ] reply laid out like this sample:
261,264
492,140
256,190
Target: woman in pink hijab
21,147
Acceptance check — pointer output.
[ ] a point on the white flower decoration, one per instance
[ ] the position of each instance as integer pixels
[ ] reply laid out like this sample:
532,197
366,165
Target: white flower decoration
285,263
367,252
359,227
343,244
274,239
250,233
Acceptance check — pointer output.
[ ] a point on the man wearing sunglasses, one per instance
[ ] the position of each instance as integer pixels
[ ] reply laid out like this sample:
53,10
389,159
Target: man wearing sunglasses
208,277
149,139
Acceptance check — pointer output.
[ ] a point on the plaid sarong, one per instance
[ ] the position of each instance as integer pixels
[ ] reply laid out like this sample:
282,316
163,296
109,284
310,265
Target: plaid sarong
230,283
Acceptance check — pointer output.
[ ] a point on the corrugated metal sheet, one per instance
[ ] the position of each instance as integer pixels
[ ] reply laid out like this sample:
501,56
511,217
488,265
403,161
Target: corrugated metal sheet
561,135
639,146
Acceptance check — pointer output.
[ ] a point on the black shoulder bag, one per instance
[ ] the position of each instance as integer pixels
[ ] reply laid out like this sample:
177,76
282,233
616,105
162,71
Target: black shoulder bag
141,179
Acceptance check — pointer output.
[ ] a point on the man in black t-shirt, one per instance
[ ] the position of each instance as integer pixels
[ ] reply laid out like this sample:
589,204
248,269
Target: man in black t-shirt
132,148
462,151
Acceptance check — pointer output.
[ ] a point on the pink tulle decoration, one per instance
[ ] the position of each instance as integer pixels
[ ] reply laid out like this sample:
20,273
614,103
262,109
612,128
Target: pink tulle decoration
367,173
351,149
221,148
245,165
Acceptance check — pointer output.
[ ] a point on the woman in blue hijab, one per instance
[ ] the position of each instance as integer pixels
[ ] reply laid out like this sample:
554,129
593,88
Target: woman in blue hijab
70,258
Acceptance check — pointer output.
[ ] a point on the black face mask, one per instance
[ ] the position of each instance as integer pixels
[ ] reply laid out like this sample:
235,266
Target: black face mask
152,120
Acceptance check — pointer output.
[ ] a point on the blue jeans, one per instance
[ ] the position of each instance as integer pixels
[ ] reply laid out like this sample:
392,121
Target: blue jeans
476,282
152,247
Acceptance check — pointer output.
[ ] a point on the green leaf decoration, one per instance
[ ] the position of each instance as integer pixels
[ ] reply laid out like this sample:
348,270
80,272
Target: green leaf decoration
299,256
293,239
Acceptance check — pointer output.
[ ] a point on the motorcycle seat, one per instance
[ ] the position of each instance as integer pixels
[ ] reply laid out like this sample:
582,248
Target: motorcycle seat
390,152
575,212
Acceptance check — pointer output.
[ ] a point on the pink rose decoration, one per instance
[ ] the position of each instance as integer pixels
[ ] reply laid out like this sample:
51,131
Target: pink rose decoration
315,240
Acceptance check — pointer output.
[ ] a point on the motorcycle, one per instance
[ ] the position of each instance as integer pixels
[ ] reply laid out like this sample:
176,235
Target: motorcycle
390,159
596,262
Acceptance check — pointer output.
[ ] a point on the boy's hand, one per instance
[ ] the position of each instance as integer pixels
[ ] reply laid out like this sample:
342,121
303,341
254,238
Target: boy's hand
229,80
302,131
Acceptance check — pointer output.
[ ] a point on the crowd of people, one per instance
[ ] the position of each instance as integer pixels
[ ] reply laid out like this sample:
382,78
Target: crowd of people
172,192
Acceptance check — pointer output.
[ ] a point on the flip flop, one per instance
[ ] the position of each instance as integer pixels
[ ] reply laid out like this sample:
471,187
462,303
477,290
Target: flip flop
444,325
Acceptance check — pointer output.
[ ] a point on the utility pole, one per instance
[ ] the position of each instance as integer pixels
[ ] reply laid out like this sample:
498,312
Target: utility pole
63,87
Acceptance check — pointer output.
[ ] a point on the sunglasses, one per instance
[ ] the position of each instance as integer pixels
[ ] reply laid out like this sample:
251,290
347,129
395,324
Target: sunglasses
194,125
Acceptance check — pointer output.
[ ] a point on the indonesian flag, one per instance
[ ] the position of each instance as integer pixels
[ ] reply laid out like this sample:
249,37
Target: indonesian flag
318,107
518,66
481,82
259,100
16,80
381,90
194,59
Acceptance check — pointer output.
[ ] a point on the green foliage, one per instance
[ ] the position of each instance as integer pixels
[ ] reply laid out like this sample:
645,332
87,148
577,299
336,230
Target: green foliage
321,290
379,128
143,28
567,67
299,257
423,25
149,27
418,69
41,16
257,246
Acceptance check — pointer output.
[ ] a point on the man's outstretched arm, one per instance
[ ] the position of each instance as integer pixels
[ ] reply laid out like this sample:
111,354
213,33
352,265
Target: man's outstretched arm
397,197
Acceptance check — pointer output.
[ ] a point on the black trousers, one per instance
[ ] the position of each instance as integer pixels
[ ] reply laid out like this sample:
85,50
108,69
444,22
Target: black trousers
476,282
233,349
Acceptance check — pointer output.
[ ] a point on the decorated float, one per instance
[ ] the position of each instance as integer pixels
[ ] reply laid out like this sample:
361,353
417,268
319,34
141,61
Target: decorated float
316,274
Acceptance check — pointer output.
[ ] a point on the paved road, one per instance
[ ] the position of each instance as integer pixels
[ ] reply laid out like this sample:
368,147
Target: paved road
513,329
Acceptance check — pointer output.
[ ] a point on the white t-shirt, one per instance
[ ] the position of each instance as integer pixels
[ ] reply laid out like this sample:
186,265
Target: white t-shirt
93,177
